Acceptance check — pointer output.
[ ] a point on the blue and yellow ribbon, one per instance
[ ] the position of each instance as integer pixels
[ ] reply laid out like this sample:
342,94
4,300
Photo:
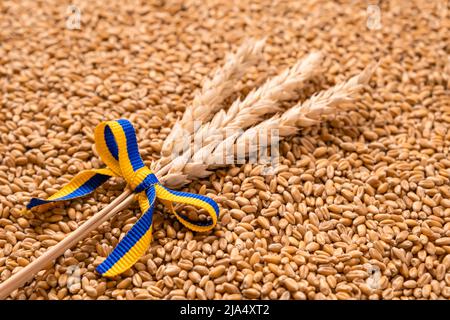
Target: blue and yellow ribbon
117,146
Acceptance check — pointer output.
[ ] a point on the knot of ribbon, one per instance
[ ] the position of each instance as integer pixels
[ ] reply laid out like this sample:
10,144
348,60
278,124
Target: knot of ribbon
117,146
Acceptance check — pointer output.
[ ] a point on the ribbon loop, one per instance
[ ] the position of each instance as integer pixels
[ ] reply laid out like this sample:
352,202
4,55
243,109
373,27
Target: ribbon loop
117,146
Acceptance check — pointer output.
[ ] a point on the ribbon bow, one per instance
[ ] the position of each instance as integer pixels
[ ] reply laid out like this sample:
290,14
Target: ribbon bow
117,146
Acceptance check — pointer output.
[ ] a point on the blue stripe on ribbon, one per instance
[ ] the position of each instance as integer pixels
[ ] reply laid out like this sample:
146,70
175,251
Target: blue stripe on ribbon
87,187
34,202
132,146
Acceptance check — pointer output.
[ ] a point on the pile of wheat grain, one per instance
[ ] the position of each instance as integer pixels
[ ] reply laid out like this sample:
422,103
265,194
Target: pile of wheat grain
359,207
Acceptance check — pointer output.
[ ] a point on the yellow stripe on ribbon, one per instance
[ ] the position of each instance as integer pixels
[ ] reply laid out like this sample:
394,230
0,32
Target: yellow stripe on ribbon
117,146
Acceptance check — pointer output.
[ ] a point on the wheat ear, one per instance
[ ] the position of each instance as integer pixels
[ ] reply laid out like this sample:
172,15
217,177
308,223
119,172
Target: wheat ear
258,103
214,91
266,99
289,123
309,112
